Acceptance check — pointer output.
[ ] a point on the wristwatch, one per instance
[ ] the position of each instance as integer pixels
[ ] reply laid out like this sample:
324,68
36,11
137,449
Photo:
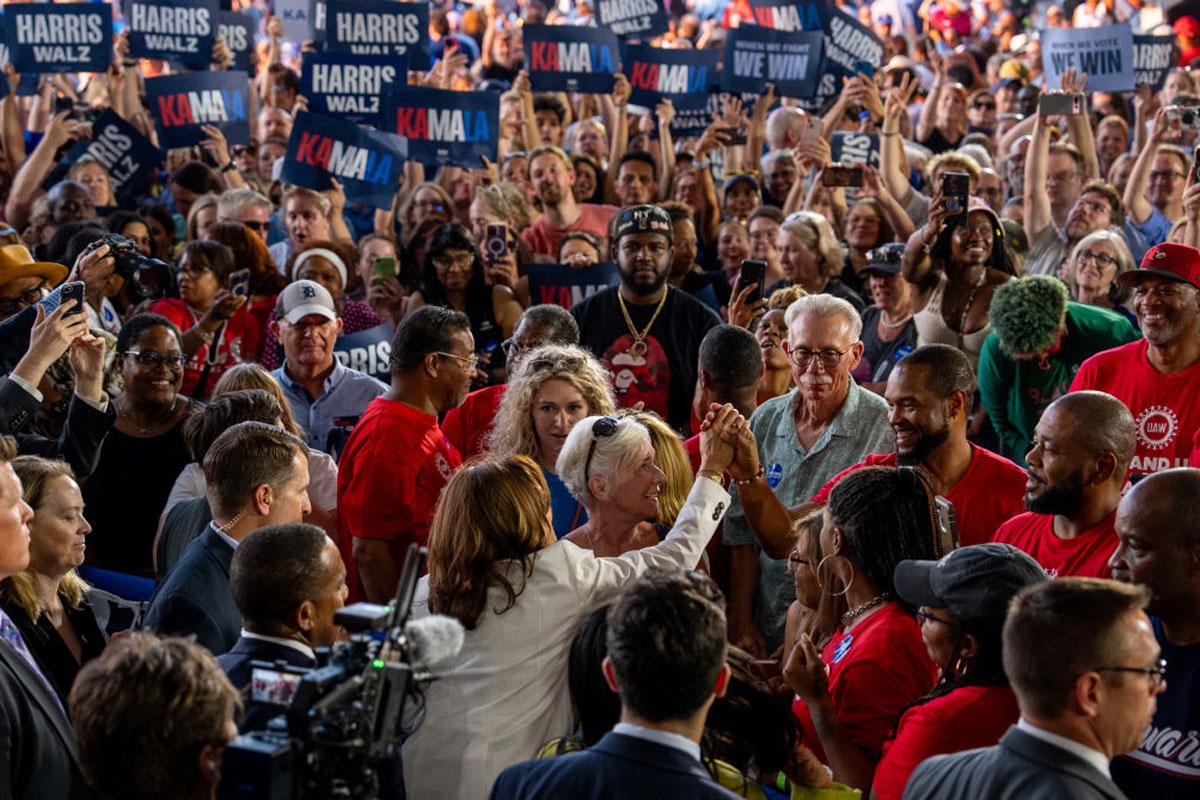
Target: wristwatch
230,167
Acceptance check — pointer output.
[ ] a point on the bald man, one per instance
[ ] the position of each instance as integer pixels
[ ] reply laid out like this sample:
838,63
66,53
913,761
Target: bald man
1081,451
1158,525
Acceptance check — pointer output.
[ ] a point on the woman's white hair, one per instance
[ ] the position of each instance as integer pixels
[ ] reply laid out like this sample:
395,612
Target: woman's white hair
613,454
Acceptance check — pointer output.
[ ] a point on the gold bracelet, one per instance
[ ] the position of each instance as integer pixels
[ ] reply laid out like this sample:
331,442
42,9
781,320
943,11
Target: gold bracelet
712,475
761,472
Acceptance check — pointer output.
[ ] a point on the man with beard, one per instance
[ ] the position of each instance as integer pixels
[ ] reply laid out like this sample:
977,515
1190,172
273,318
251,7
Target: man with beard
646,332
552,176
1158,528
929,399
1081,450
1157,378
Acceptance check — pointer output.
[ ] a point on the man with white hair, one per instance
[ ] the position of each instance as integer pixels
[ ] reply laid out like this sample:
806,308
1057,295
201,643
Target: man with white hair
248,207
805,437
784,128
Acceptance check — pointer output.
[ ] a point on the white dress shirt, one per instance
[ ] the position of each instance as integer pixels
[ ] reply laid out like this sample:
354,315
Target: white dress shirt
1093,757
665,738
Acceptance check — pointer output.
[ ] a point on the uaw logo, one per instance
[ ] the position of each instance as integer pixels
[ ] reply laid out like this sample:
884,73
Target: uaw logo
1156,427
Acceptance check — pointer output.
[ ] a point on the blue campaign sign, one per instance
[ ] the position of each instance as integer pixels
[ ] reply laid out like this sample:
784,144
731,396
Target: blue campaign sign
28,85
351,87
182,104
128,155
296,18
238,30
368,351
175,30
1153,57
755,56
684,77
316,16
444,127
58,38
1105,54
791,15
564,59
368,163
379,28
640,18
851,147
565,286
848,45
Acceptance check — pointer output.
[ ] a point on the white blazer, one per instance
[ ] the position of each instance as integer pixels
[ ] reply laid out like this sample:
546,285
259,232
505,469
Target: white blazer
505,695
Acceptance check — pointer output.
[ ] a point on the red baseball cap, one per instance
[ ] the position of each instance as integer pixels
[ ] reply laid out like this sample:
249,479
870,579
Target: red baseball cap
1175,262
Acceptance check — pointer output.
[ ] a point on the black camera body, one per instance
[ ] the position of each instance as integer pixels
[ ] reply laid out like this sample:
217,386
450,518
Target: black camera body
149,278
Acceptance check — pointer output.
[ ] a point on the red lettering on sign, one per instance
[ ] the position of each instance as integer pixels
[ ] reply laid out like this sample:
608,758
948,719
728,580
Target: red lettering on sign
174,110
644,76
306,149
543,55
412,123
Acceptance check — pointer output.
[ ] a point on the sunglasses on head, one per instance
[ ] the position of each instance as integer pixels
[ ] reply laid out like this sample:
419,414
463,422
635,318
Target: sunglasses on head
602,428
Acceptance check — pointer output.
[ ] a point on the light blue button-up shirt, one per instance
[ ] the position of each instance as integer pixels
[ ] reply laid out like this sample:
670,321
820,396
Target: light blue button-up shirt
328,420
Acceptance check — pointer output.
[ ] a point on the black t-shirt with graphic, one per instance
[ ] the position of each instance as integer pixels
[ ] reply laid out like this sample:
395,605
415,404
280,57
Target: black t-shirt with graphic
664,377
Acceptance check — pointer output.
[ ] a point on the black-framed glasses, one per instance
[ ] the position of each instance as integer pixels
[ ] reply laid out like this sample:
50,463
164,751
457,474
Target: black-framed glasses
1103,259
1157,673
11,305
255,225
601,428
149,358
924,616
829,357
512,348
983,104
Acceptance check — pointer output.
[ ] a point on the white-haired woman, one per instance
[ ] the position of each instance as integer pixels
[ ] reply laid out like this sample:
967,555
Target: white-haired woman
547,393
1092,270
812,258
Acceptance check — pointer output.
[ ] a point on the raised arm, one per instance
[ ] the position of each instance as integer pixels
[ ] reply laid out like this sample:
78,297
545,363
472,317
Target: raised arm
1136,204
1079,126
1037,201
29,178
665,112
618,139
917,267
893,165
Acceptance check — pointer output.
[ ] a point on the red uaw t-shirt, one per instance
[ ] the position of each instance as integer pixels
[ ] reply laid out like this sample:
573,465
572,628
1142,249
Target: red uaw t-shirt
875,669
469,424
1165,408
236,341
1085,556
990,492
964,719
390,477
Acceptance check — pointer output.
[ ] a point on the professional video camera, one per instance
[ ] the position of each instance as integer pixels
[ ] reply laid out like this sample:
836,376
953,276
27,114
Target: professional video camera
149,278
343,722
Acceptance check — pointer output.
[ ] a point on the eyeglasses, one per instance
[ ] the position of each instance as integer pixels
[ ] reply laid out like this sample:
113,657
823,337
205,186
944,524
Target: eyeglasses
601,428
149,358
795,561
472,360
830,358
984,105
1167,175
512,348
1157,673
446,261
256,226
11,305
1103,259
241,150
924,616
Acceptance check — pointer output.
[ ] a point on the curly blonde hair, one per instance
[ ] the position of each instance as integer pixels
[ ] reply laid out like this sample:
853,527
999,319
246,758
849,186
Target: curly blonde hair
513,433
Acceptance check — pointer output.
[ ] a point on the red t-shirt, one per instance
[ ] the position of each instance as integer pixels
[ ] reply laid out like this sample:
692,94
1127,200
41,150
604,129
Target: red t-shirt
966,718
390,477
238,341
990,492
543,238
1165,408
1085,556
875,669
469,424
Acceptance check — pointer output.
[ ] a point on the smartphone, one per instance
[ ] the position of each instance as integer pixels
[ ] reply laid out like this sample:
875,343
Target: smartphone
813,128
836,175
84,114
239,283
1060,104
947,522
752,272
383,267
865,67
955,191
73,291
496,241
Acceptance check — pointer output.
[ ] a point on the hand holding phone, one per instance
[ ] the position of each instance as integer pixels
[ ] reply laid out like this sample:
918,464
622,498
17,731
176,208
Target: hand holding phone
496,242
840,175
73,291
956,195
752,271
239,283
382,268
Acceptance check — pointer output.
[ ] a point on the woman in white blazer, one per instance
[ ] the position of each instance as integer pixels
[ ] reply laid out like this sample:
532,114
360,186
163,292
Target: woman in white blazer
494,564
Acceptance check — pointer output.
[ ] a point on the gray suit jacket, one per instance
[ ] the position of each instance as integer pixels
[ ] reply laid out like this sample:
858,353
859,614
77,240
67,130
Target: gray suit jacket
1021,767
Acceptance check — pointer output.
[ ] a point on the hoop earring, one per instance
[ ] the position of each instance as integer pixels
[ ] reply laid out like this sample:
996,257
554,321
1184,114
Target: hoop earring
817,571
849,583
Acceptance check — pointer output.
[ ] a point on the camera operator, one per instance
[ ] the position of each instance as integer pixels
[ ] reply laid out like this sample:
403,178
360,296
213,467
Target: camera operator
152,717
287,581
257,476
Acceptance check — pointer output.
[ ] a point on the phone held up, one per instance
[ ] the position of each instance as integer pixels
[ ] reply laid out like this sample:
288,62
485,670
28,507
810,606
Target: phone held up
955,193
752,272
842,175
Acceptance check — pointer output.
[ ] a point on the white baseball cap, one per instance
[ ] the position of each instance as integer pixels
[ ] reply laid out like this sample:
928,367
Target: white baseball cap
301,298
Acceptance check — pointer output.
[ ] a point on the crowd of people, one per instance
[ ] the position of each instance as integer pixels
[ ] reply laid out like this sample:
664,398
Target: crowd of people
816,491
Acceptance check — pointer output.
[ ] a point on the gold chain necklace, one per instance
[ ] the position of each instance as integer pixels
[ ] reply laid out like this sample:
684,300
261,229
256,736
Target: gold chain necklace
639,348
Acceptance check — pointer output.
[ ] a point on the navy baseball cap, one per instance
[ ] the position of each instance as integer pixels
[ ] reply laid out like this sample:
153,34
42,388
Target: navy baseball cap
885,259
643,219
974,583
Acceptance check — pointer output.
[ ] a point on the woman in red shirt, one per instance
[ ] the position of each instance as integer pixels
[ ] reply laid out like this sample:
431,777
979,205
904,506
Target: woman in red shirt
850,694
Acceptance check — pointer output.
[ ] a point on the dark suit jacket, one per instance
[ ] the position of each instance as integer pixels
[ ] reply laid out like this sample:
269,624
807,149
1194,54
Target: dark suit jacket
196,599
617,766
184,524
236,664
83,432
1021,767
37,748
50,651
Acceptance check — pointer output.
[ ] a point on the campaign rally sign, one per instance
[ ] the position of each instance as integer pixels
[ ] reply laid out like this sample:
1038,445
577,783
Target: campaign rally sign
182,104
565,286
316,17
296,18
851,147
238,30
849,48
58,38
791,15
1105,54
379,28
28,85
682,76
641,18
755,56
368,351
350,87
565,59
121,148
444,127
1153,57
368,163
174,30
